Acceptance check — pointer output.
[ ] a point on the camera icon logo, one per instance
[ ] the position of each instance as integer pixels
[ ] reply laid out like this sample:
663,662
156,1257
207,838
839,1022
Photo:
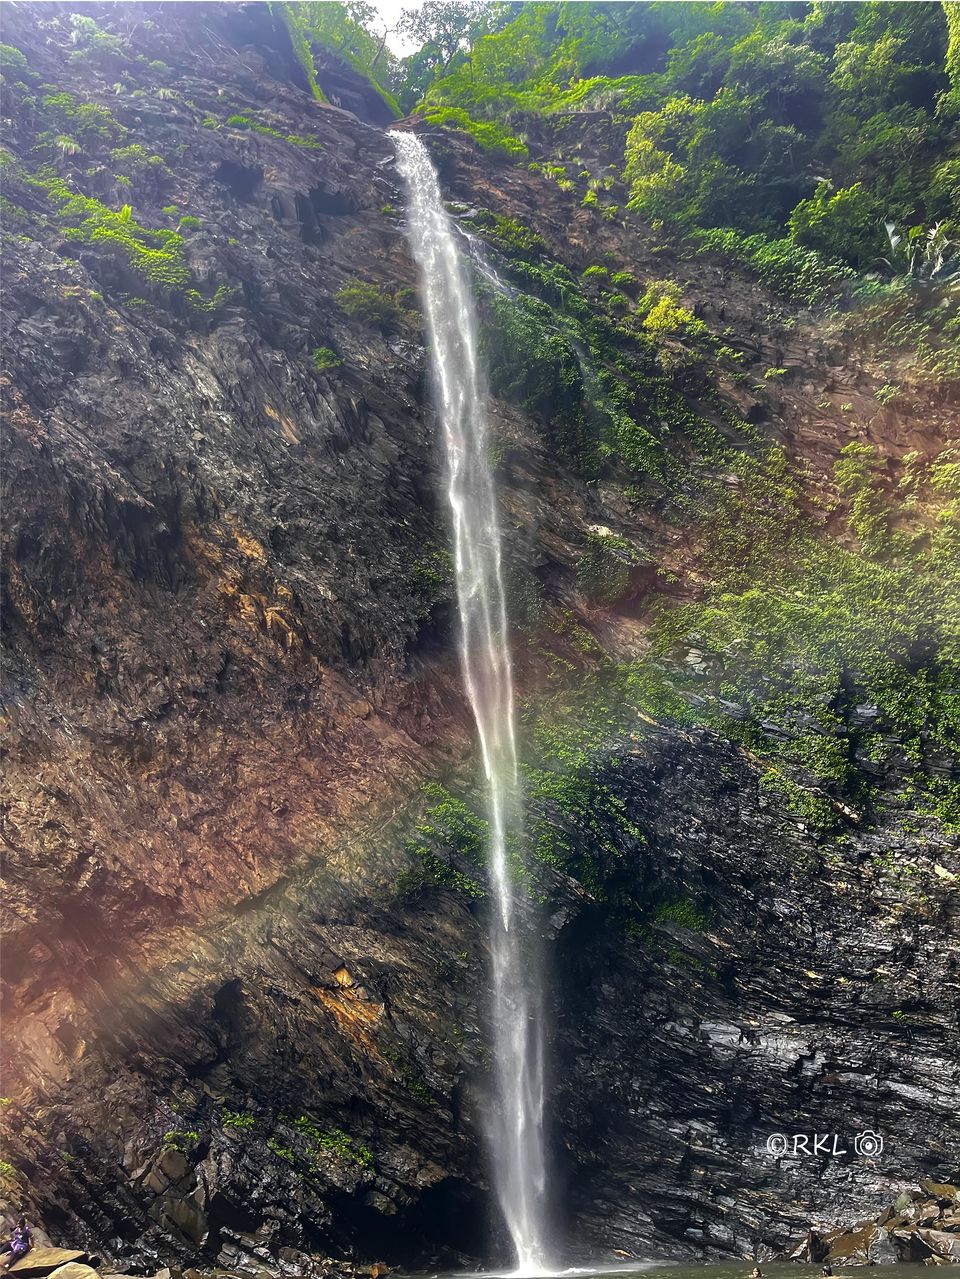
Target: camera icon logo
868,1143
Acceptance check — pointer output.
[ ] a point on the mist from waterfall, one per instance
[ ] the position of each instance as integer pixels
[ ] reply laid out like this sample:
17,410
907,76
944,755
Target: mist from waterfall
516,1127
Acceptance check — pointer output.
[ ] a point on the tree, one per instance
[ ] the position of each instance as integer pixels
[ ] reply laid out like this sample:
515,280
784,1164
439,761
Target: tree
444,28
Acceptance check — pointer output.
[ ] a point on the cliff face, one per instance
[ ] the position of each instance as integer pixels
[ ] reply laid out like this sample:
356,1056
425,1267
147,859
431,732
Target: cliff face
237,1025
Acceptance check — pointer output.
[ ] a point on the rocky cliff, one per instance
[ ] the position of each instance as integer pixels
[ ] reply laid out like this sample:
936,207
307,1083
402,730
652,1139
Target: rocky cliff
245,992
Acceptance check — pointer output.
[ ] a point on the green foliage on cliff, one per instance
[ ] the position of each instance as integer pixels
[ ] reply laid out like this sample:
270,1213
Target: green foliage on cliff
803,275
371,304
234,1119
343,30
805,126
447,847
324,359
11,59
488,135
837,662
182,1140
333,1141
153,254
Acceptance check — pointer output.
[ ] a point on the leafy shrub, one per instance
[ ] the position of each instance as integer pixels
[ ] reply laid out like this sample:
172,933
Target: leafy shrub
189,223
236,1120
663,313
487,135
137,157
847,224
800,274
155,255
11,58
371,304
510,236
86,121
181,1140
324,358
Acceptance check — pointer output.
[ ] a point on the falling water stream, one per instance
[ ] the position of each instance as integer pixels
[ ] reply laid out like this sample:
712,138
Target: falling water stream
516,1115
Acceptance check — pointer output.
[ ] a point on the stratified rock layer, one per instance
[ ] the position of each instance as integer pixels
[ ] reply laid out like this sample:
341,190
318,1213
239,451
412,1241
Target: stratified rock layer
235,1035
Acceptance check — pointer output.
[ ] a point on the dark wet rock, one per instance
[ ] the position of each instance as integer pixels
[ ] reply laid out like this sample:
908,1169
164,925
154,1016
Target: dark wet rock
913,1229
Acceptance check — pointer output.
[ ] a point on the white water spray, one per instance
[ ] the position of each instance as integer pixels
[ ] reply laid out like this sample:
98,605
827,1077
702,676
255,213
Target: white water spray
516,1124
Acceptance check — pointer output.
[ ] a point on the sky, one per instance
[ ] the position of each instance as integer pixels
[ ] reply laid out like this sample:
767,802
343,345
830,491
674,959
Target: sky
389,12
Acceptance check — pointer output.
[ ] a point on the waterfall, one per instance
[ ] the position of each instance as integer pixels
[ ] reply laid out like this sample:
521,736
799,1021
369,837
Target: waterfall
516,1117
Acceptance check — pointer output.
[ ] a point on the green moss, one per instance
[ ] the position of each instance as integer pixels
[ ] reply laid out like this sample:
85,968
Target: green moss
798,632
603,572
447,847
295,19
683,912
487,135
189,223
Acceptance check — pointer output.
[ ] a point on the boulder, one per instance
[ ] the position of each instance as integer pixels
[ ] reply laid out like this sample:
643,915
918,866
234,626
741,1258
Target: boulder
43,1261
942,1191
852,1247
943,1243
74,1270
883,1250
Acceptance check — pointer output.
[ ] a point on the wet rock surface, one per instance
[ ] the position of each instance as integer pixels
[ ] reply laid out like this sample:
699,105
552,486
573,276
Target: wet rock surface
922,1226
239,1040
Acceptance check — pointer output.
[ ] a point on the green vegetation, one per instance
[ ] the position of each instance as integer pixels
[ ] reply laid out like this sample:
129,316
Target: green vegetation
837,663
487,134
255,126
280,1150
342,30
604,569
137,158
802,275
447,847
372,304
11,59
154,255
235,1120
189,223
90,124
785,139
333,1141
684,913
294,16
324,359
181,1140
663,314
